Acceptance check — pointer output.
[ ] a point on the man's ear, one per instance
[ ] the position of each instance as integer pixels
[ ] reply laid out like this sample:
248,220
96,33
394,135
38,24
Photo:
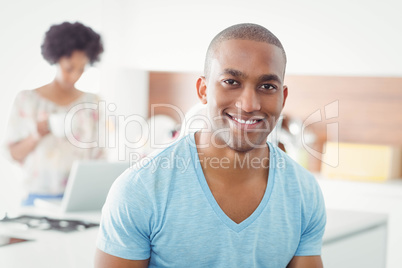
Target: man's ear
285,95
202,89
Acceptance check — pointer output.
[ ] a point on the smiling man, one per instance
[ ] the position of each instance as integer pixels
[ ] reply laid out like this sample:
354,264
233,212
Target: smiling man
242,202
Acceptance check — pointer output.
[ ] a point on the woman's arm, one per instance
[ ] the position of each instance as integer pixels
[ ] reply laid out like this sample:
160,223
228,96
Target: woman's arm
20,150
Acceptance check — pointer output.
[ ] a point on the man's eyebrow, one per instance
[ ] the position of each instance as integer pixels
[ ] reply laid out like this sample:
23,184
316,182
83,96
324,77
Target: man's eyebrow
264,77
233,72
270,77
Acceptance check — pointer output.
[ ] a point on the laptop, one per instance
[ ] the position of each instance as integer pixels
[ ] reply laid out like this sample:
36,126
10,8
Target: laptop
87,187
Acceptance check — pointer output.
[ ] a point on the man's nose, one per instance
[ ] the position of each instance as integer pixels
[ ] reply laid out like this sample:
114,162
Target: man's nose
249,100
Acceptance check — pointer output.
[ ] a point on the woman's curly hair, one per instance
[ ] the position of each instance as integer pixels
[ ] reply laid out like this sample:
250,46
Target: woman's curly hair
62,39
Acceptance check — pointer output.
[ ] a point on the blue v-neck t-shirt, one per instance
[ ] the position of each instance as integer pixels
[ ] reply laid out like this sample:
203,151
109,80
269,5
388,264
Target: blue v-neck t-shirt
164,210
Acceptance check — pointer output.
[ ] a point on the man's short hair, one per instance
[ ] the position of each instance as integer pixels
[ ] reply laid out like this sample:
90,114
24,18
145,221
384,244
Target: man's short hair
243,31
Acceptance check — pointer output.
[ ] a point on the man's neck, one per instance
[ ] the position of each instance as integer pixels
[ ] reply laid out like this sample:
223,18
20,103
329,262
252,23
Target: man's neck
228,164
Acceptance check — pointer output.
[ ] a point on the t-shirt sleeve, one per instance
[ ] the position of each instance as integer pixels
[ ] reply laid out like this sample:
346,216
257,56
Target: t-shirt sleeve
126,219
314,224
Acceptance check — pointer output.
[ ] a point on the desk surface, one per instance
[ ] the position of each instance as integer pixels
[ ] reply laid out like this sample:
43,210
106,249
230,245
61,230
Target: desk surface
77,249
50,248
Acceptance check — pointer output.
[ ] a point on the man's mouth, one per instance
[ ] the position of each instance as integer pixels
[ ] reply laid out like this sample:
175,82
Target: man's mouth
248,121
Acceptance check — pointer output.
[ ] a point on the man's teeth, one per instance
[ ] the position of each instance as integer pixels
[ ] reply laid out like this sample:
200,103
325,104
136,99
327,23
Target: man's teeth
248,122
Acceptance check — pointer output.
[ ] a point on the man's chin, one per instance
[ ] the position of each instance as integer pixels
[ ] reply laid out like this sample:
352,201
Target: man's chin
245,146
238,142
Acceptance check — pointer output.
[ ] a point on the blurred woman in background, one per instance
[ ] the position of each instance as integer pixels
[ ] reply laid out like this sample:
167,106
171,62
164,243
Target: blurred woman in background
35,135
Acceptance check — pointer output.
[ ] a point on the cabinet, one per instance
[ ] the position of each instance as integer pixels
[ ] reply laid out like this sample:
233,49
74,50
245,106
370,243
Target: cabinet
384,198
355,239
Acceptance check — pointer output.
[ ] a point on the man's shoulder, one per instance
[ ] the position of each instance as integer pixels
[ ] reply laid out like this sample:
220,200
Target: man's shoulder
164,163
168,152
291,171
155,174
297,183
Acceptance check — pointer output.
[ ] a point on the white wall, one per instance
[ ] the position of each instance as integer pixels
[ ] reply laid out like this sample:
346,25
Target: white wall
344,37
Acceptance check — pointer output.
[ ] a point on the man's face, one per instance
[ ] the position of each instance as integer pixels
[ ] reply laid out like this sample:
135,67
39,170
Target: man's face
244,92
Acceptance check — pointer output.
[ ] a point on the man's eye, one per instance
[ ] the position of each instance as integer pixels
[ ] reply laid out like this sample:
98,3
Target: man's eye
268,87
231,82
